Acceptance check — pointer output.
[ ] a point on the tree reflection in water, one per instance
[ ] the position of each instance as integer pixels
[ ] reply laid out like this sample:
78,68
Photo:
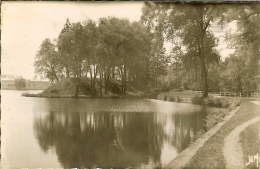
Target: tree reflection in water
114,139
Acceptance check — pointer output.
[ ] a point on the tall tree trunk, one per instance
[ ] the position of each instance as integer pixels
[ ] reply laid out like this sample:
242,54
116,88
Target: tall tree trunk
106,84
113,72
107,74
77,87
155,81
176,75
124,79
202,54
91,77
204,78
120,72
94,79
54,74
196,71
129,76
100,81
67,72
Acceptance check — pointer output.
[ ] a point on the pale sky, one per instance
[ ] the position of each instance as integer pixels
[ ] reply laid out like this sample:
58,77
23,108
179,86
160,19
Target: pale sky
26,24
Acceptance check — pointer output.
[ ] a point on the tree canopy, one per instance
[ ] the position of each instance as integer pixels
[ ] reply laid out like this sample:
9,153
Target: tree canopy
110,49
190,28
117,50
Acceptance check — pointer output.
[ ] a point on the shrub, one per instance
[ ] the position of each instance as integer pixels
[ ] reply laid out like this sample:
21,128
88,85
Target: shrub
234,103
212,120
74,80
215,117
114,88
159,97
217,101
85,87
198,134
177,99
212,101
224,102
66,84
196,100
54,90
170,98
164,97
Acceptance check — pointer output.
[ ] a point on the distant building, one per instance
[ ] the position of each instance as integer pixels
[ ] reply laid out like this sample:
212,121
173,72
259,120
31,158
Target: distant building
30,85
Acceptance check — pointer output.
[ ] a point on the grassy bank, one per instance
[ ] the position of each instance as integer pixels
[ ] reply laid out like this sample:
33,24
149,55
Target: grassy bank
222,104
66,88
250,142
210,156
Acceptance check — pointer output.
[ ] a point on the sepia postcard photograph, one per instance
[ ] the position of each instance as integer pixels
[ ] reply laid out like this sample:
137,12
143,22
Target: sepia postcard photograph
136,85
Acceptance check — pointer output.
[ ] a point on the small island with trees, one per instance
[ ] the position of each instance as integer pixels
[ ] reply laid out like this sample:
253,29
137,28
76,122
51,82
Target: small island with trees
108,58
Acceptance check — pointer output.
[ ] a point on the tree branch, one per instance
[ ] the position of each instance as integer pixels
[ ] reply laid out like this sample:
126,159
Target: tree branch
207,24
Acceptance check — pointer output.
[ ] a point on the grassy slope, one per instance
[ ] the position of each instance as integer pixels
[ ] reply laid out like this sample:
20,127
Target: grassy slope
66,87
210,156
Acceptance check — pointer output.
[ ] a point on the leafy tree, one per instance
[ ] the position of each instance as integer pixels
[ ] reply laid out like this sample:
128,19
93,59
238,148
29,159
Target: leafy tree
63,49
158,60
126,47
134,53
75,47
90,50
177,55
112,33
238,72
111,48
193,30
140,53
153,17
246,41
19,83
47,62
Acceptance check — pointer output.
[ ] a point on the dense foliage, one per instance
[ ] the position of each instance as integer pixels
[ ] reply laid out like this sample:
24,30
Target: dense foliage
110,49
114,49
192,30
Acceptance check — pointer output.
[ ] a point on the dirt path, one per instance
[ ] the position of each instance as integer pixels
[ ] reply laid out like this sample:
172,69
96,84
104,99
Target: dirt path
232,149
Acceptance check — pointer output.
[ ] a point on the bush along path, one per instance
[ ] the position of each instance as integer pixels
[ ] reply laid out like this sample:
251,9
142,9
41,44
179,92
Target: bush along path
211,155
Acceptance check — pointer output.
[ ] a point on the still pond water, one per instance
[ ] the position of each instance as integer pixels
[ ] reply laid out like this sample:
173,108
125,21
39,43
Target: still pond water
94,132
